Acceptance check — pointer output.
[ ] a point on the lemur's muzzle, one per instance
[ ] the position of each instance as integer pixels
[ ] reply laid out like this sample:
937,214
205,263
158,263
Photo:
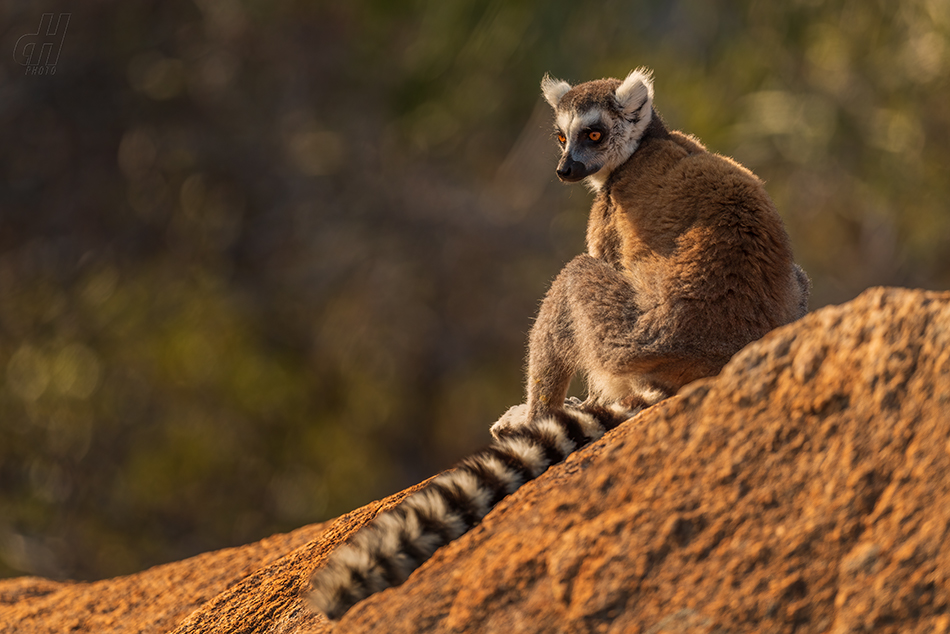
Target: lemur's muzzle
571,171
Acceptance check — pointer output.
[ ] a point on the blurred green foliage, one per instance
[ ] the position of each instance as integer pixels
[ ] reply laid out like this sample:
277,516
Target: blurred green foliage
262,262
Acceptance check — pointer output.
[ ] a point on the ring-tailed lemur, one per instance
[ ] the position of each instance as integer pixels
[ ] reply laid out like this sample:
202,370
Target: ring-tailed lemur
687,262
687,259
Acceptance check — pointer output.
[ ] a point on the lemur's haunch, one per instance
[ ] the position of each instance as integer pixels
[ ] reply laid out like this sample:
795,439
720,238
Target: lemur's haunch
385,552
687,262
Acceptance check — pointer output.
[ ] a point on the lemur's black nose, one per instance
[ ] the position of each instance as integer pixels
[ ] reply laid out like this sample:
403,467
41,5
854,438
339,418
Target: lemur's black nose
570,170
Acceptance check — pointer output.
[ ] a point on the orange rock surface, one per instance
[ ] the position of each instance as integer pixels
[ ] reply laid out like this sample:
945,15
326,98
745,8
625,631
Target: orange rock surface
804,489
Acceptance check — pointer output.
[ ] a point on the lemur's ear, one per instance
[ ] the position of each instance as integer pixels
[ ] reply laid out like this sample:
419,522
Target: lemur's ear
553,89
636,91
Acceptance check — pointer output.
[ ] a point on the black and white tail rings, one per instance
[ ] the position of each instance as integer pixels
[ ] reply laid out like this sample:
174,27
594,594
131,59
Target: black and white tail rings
386,551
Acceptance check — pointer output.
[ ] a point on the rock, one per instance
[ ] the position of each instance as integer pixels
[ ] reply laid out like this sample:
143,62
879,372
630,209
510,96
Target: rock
155,600
804,489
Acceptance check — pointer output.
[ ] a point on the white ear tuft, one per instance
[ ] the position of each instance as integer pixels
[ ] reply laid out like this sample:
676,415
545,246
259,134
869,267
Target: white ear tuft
553,89
635,91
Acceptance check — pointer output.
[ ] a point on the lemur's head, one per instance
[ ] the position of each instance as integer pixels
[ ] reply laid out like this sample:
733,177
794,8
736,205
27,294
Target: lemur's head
599,123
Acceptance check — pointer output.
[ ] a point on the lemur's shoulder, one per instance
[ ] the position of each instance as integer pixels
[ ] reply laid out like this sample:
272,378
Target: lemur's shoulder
679,168
690,143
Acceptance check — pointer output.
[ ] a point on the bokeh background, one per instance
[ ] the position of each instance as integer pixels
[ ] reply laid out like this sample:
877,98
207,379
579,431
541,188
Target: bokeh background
262,262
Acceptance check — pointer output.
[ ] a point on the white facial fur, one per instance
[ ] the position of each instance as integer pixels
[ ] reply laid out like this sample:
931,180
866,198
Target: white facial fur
624,120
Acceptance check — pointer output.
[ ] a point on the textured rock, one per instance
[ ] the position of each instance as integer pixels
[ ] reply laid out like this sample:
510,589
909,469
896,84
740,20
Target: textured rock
804,489
155,600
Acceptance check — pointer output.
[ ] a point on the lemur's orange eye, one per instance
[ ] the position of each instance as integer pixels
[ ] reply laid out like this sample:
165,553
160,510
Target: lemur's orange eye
561,138
594,136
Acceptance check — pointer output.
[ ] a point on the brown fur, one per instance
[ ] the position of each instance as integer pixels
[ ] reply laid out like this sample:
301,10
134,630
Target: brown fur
596,93
688,261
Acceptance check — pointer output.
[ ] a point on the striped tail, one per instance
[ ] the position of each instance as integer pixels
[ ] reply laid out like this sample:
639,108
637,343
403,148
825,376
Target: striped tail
386,551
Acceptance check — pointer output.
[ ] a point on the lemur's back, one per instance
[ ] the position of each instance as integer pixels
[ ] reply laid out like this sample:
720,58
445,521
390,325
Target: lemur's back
701,240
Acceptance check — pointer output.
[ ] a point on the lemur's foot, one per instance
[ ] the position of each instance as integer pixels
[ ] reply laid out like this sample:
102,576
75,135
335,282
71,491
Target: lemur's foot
511,420
517,417
611,414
